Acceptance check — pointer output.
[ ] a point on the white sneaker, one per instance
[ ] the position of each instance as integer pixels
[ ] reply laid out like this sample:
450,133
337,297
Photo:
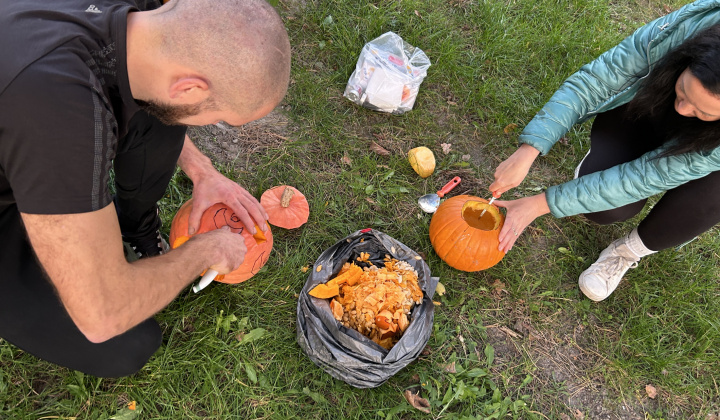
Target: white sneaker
603,277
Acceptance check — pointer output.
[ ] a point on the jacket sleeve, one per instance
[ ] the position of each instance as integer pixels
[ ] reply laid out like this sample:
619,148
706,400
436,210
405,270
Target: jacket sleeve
611,79
629,182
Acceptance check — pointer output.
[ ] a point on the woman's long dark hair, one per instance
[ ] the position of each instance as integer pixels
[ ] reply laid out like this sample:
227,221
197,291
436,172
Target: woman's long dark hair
656,97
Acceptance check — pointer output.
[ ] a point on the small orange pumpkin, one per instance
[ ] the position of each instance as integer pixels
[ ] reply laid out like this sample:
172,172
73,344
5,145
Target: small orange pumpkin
286,207
217,216
462,238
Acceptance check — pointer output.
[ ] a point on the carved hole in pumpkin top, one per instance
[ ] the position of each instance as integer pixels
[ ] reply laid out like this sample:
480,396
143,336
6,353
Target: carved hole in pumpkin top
472,210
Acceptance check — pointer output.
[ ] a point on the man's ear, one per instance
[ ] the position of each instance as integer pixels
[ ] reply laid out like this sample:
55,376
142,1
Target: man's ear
189,90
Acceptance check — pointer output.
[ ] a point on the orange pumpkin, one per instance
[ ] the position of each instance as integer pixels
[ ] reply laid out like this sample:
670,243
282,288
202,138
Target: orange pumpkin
462,238
217,216
286,207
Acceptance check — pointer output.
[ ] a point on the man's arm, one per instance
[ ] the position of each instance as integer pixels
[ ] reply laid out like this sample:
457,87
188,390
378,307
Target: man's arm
106,296
210,187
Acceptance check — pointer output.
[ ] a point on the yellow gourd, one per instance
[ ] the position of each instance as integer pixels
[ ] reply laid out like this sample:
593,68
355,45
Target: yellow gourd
422,161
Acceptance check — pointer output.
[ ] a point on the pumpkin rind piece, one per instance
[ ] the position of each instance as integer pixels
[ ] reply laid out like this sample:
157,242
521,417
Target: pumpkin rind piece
325,291
286,207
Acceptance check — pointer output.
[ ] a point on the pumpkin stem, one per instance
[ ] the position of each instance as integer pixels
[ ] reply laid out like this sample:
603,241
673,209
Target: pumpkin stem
286,196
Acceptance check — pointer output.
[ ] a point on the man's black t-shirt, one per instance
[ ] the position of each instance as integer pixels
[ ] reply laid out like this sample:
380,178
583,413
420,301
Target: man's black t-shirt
65,101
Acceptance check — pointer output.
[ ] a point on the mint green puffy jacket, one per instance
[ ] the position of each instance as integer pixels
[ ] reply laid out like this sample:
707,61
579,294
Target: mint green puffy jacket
607,82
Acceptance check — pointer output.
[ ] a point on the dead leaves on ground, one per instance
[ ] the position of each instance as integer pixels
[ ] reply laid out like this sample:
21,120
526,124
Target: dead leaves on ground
650,391
379,149
498,289
417,401
510,128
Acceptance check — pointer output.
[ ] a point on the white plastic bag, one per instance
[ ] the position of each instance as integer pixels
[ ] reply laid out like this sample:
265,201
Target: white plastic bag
388,75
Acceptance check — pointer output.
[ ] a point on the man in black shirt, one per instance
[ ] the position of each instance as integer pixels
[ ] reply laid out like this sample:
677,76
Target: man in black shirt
86,86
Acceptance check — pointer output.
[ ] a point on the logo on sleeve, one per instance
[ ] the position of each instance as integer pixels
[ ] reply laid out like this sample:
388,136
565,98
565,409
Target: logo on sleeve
93,9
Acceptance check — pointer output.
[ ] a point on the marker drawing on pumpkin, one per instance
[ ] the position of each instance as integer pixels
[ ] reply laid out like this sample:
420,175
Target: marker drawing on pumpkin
220,219
258,263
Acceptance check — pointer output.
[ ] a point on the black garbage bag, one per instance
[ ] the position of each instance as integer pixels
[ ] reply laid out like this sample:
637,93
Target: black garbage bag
343,352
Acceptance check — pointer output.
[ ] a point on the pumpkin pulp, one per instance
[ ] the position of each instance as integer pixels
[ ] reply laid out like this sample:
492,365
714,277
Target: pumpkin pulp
471,211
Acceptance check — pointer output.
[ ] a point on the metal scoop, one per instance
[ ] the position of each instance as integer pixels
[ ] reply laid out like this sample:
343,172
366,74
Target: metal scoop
430,202
489,203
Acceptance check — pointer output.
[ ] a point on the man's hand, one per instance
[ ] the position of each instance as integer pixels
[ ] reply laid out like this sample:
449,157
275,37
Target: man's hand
211,187
231,247
511,172
520,213
216,188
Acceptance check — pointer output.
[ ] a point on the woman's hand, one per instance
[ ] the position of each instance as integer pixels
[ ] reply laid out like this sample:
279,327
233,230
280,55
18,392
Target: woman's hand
520,213
215,188
512,171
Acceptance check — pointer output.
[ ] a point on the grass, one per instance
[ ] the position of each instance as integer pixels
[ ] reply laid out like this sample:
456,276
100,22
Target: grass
515,341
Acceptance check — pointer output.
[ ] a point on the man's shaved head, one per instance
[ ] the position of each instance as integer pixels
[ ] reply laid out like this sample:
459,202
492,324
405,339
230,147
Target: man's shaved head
240,47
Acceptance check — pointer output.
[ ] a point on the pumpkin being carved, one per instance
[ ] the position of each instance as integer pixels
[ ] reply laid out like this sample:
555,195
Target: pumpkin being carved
462,238
217,216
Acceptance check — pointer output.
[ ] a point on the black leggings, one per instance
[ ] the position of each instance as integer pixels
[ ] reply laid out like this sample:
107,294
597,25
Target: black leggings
31,315
681,214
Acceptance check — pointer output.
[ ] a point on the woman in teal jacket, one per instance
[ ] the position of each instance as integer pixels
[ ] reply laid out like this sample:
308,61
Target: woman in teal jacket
656,99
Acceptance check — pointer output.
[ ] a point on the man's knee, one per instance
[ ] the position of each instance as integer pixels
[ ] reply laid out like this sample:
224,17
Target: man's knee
126,354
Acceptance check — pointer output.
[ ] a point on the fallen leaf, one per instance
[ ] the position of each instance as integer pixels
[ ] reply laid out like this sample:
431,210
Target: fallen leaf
498,288
650,391
346,160
667,8
305,269
465,158
510,128
379,149
418,402
450,368
440,289
578,414
446,147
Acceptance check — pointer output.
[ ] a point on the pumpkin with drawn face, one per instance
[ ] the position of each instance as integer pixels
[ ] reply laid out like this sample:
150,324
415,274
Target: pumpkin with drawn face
215,217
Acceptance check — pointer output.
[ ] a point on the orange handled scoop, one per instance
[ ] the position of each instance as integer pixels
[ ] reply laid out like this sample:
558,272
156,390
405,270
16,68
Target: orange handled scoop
430,202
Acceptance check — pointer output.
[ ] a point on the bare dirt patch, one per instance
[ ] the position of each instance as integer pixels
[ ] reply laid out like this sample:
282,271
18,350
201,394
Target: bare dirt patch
566,364
235,146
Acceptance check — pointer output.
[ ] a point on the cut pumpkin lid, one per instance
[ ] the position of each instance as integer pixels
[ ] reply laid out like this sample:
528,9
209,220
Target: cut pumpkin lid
285,206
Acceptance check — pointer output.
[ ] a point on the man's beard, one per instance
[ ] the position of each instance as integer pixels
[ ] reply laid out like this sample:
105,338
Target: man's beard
172,114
